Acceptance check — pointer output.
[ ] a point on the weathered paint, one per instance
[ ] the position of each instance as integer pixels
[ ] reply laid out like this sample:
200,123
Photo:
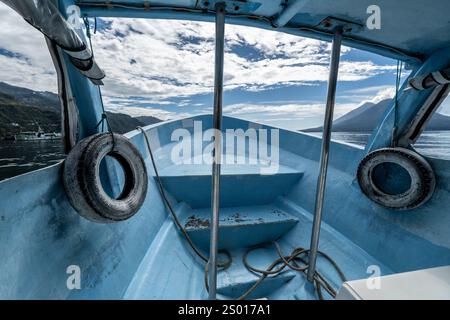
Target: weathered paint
145,257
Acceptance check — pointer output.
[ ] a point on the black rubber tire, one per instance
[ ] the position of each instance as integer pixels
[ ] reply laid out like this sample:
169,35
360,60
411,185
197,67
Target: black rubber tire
82,180
423,180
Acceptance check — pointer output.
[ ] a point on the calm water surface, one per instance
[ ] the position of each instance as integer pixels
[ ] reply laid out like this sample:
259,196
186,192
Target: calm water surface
17,157
435,144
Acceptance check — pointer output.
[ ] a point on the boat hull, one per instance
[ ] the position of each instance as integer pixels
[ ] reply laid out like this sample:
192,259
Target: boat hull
41,236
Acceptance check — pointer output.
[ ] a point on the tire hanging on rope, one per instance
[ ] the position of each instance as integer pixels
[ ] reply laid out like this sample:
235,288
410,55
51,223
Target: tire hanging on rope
396,178
82,176
380,178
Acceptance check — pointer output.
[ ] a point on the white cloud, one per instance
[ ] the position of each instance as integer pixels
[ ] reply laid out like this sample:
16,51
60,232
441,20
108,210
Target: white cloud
27,62
292,115
373,94
164,59
383,94
142,107
157,62
445,107
306,114
369,90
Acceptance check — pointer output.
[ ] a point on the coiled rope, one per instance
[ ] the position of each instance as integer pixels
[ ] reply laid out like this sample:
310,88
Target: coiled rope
295,261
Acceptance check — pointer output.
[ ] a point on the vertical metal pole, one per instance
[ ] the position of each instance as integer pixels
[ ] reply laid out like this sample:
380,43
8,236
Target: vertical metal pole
217,119
326,137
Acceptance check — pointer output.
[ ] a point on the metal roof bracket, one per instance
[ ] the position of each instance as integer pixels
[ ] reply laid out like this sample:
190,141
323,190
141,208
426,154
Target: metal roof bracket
330,24
231,6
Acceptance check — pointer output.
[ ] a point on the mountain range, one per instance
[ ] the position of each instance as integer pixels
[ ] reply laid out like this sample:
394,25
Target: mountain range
22,109
366,117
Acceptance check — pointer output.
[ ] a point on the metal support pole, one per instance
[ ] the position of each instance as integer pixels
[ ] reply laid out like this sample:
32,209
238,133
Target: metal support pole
217,119
326,137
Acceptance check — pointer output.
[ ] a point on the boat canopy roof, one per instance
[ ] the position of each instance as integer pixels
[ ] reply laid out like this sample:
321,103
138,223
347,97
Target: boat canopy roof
410,30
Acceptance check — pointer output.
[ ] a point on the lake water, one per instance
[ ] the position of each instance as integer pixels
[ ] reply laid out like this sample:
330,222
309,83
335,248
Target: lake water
17,157
435,144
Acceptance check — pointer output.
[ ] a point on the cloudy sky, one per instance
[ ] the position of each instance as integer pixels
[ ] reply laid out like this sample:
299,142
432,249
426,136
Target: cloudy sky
166,69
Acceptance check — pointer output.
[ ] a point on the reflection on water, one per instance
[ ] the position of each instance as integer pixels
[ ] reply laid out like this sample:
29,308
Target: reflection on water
359,139
17,157
434,144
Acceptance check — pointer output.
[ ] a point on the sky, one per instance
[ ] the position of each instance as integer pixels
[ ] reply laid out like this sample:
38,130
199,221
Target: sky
165,68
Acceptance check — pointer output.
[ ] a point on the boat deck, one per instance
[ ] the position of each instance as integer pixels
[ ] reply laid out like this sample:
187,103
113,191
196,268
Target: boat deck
146,257
170,262
262,215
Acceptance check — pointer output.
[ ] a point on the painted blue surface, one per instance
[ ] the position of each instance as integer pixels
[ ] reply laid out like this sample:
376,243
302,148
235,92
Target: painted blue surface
424,50
255,188
145,257
406,31
234,281
259,224
85,94
409,103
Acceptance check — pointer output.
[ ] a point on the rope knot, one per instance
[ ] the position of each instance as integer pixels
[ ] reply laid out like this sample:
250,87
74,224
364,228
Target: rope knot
102,120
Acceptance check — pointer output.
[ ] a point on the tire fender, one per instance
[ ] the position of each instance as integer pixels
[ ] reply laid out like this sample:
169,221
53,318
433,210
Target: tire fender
423,180
81,178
